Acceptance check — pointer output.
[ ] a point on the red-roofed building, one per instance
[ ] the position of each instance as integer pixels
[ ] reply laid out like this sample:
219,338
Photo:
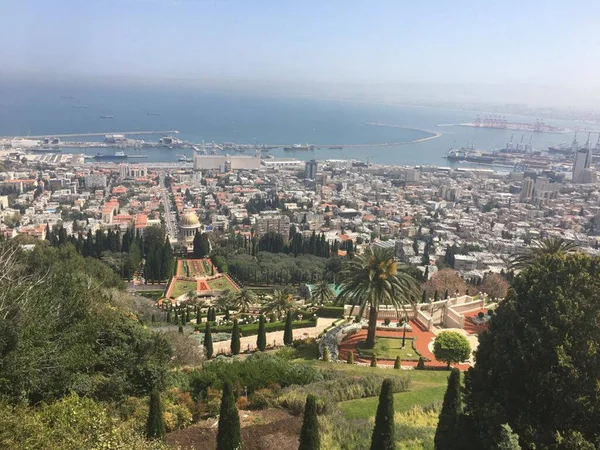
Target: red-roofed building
141,221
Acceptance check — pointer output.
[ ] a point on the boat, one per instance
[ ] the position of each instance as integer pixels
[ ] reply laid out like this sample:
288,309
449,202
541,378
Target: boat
183,158
469,156
298,147
336,147
107,117
116,155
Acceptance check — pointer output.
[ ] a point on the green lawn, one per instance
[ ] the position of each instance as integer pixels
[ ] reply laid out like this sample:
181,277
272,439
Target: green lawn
182,287
427,387
220,284
390,348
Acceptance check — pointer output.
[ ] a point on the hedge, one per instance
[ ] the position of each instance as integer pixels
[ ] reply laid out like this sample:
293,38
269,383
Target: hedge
331,312
252,329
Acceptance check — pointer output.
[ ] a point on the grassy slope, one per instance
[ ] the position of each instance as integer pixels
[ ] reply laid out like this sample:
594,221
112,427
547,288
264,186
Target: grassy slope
389,348
427,387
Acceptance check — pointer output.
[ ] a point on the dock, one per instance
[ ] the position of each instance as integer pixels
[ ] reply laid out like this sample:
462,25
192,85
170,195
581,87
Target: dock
125,133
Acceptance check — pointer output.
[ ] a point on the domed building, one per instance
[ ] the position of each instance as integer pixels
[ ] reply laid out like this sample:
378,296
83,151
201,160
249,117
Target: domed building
188,225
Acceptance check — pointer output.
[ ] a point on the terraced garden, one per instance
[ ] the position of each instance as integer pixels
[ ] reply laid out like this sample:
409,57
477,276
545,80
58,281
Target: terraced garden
193,268
221,283
181,287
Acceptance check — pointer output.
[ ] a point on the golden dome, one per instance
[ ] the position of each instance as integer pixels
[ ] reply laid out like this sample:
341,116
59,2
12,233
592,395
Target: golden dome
189,220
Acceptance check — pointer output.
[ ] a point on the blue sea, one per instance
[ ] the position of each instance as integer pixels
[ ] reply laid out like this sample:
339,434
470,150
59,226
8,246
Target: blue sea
246,118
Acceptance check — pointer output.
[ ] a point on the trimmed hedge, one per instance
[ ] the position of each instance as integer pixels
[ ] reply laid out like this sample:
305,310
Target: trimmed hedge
252,329
331,312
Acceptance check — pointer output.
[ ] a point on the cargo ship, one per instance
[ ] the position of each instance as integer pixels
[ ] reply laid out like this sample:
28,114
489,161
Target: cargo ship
298,147
470,156
114,156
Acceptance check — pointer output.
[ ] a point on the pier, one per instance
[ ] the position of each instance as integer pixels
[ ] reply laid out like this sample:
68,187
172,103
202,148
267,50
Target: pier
73,135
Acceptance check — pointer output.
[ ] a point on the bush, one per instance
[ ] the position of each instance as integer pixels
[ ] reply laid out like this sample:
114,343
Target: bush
451,347
480,314
386,322
255,372
351,357
261,399
331,312
490,312
374,360
326,356
397,364
421,363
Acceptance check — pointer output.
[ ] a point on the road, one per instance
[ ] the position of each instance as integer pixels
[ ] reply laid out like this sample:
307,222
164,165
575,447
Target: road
169,219
94,134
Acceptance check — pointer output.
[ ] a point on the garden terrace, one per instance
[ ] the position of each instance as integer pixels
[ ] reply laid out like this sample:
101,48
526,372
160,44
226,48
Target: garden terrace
181,287
221,282
194,268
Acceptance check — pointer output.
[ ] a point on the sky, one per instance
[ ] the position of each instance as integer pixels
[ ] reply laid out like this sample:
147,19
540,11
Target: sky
369,43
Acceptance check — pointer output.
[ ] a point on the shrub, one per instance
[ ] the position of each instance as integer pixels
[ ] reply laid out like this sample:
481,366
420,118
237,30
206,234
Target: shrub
386,322
326,356
350,357
242,403
490,312
331,312
261,399
397,363
421,363
451,347
255,372
374,360
480,314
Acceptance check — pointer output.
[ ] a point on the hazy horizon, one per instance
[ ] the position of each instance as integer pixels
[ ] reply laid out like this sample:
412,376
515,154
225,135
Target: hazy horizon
537,53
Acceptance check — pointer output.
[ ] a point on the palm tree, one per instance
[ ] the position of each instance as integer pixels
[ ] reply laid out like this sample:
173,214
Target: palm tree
225,301
322,292
191,295
244,299
281,302
538,249
373,279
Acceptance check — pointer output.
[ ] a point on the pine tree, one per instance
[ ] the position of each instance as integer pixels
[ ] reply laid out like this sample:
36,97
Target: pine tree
397,363
155,425
309,434
446,435
235,338
374,360
350,357
288,336
383,433
208,343
261,339
229,436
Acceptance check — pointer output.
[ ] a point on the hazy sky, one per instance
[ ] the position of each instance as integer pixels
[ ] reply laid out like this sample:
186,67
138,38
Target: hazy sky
368,41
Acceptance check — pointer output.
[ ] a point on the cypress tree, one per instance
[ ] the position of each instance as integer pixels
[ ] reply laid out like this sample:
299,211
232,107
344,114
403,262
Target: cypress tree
397,363
424,297
326,354
436,296
421,364
187,316
235,338
309,434
229,436
374,360
177,316
180,328
153,319
351,357
155,425
168,316
288,336
198,316
446,434
261,339
208,344
383,433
